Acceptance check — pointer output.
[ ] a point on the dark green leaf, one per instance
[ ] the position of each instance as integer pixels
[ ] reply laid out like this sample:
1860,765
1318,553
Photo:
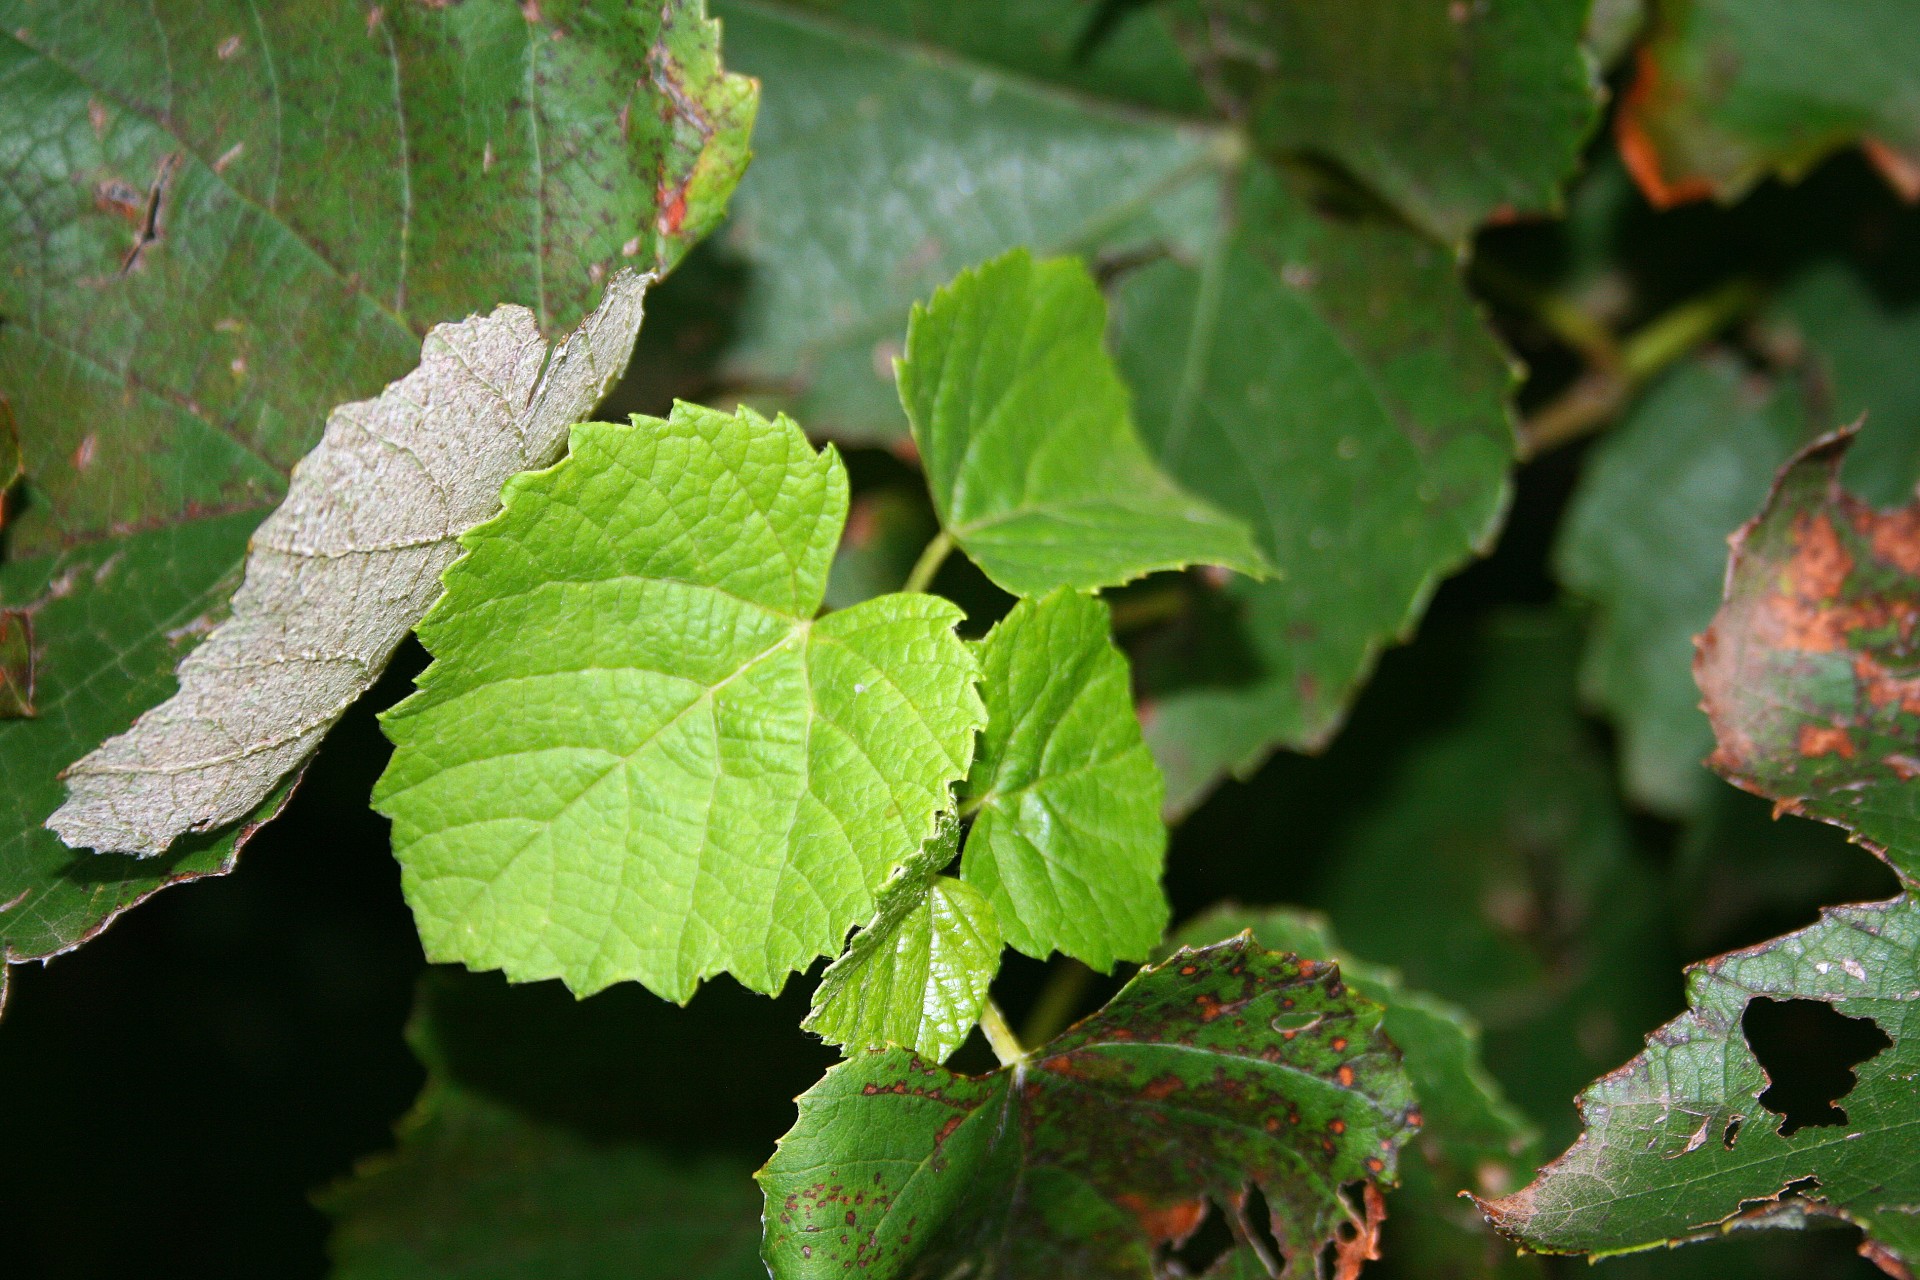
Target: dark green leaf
1067,841
1809,672
1452,111
1645,539
216,198
1026,433
1107,1142
1730,91
1682,1143
672,769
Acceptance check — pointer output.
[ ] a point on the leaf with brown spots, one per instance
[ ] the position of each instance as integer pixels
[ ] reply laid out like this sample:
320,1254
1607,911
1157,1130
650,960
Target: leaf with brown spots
1215,1073
1811,669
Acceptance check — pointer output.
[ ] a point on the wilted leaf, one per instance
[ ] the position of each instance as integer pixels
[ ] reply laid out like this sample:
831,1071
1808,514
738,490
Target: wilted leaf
917,975
1453,112
1651,557
672,769
1067,840
1731,91
1026,433
1107,1144
1324,377
1683,1144
343,569
208,281
1809,672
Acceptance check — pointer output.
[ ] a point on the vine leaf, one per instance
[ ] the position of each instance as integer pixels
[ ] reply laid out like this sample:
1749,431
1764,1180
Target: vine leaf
673,769
341,571
163,394
1026,434
1651,558
1067,841
1731,91
1108,1144
1809,673
1454,113
1370,462
917,975
1681,1144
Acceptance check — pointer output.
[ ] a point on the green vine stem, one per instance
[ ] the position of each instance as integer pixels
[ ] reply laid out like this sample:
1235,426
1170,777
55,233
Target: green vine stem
1006,1045
931,558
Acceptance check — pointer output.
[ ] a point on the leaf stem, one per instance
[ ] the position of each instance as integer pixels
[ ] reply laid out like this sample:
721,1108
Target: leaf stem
929,563
1006,1045
1058,999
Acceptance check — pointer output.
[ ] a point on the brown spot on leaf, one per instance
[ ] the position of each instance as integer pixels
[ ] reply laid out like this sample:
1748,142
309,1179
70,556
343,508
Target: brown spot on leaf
1638,150
1358,1241
1170,1223
1824,740
1162,1086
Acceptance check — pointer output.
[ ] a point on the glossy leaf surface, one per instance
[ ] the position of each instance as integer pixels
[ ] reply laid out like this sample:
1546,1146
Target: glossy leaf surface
673,769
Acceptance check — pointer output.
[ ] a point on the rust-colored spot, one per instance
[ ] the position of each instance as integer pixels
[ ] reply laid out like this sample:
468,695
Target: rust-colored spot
1376,1166
1060,1064
1344,1075
1210,1008
1893,536
1338,1044
1162,1086
1188,970
1337,1125
1884,689
1824,740
1639,152
1164,1223
1359,1244
946,1130
1326,1145
1308,968
1273,1124
673,209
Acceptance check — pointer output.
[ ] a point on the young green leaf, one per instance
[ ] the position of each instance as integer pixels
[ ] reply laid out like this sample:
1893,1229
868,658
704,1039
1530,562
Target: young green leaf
637,755
338,575
1731,91
1452,112
163,393
1067,841
1651,558
917,975
1107,1143
1682,1143
1808,673
1026,433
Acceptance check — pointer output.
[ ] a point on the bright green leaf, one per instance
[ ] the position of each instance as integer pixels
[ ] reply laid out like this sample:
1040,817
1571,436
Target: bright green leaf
917,975
1731,91
1651,558
1026,433
1453,112
164,387
1682,1143
1106,1143
1067,840
1807,672
672,769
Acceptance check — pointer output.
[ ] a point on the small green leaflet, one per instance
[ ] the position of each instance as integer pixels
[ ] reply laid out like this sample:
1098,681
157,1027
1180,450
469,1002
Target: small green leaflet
1107,1144
917,974
1067,840
1680,1144
637,754
1651,558
1731,91
1808,672
1453,112
1026,433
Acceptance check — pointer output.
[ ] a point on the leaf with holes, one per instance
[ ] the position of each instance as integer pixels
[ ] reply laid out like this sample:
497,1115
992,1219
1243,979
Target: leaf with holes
1731,91
1107,1145
1026,433
1651,558
222,277
1323,376
1682,1145
1452,111
917,975
673,769
1809,672
1067,841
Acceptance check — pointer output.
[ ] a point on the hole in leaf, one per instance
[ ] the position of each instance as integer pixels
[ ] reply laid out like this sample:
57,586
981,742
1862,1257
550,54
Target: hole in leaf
1733,1131
1209,1243
1809,1050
